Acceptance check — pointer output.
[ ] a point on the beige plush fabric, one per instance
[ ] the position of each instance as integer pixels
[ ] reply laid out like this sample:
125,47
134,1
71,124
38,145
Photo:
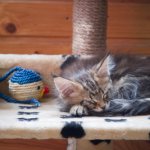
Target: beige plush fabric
46,123
49,124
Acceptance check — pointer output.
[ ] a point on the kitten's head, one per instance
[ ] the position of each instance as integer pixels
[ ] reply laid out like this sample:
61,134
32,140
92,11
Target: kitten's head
87,87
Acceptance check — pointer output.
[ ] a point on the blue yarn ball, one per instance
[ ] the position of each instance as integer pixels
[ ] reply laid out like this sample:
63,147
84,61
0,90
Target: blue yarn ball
25,76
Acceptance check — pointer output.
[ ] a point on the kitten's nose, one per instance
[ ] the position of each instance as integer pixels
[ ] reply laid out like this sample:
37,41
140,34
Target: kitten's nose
103,107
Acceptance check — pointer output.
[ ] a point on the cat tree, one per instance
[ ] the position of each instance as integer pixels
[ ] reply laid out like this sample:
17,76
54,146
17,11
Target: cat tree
89,38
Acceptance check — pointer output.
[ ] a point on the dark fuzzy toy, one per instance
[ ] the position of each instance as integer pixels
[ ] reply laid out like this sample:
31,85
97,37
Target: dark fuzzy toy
73,129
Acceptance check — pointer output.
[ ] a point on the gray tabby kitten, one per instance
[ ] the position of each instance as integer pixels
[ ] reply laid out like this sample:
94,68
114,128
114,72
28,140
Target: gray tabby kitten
112,86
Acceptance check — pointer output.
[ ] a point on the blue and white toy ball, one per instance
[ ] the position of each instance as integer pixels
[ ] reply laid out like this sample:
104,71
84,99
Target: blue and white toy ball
25,85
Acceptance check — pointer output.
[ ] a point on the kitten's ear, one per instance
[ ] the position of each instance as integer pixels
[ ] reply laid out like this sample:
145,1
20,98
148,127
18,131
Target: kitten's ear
67,88
105,67
101,68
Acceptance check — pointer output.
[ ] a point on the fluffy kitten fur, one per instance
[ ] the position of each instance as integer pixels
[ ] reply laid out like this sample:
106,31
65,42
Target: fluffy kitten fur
116,85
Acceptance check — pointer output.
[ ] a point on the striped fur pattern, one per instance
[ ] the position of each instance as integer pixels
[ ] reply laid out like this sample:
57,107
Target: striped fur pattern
118,85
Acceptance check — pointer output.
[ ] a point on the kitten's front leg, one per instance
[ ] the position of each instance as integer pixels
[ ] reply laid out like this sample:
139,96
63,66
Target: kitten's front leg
78,111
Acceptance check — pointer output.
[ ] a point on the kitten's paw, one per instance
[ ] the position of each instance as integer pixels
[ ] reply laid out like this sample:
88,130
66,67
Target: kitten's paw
78,111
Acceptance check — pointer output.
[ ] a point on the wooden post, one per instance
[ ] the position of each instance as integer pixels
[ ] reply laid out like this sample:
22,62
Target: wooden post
89,26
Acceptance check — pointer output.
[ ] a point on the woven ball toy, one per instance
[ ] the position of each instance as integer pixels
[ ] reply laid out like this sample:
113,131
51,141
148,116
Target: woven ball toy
25,86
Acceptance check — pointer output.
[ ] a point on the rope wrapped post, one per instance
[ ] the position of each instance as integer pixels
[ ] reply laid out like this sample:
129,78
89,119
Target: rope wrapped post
89,26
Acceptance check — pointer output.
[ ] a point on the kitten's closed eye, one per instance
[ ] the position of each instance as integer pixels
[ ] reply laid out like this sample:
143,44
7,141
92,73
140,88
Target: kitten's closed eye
93,105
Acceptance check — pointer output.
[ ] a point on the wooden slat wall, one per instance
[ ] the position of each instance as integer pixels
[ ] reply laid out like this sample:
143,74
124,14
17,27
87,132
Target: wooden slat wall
45,26
33,144
131,145
35,26
129,26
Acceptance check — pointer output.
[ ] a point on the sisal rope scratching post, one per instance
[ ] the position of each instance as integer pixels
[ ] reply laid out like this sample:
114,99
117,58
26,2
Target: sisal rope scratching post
89,26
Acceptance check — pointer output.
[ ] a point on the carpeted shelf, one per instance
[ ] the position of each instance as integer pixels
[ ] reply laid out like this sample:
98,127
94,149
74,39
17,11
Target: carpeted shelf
46,122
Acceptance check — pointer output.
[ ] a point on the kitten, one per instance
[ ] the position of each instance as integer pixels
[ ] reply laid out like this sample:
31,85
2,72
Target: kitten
112,86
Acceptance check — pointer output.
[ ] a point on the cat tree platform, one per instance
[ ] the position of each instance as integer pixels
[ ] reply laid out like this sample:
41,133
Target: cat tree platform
46,122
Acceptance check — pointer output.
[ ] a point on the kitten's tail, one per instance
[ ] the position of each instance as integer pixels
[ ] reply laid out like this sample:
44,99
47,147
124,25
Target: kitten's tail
123,107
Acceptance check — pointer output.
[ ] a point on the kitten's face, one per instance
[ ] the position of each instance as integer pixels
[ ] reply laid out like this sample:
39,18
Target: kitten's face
87,88
93,92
